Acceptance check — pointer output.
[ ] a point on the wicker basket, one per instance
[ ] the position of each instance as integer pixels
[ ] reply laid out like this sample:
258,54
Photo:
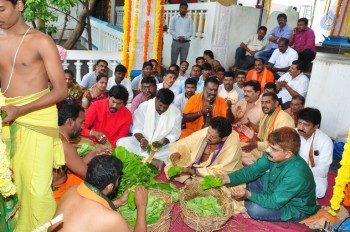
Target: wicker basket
200,223
163,224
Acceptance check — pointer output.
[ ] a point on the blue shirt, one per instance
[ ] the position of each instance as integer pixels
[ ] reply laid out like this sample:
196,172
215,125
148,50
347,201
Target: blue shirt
284,32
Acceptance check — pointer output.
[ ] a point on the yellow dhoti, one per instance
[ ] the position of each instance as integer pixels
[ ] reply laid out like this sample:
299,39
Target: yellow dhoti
35,149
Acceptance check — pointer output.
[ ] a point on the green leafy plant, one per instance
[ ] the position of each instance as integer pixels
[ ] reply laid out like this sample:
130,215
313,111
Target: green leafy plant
175,170
205,206
211,182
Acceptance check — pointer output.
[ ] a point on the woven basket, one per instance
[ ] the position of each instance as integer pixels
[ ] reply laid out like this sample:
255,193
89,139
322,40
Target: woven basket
200,223
163,224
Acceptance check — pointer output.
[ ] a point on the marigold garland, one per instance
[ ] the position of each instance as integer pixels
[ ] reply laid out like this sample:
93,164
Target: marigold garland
157,29
147,30
7,187
126,32
160,40
134,37
342,179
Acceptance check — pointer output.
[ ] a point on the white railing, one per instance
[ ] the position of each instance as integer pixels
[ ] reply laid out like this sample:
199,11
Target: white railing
119,18
105,36
82,58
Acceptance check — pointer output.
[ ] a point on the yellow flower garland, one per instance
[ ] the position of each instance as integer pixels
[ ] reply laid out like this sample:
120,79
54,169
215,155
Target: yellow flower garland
7,188
342,179
126,31
134,37
156,29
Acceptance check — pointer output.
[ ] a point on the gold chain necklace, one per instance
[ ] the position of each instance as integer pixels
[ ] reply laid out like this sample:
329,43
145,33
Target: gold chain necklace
64,136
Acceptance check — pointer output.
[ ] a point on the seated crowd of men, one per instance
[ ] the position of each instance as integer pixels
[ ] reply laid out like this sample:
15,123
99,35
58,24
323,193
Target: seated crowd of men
245,127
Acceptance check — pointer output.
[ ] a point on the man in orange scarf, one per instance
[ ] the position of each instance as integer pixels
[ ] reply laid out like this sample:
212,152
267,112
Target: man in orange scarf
87,207
201,107
274,118
260,73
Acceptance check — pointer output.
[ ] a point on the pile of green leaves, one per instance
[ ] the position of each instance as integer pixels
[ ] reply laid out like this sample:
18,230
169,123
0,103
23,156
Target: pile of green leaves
205,206
154,210
167,188
173,171
211,182
135,172
86,147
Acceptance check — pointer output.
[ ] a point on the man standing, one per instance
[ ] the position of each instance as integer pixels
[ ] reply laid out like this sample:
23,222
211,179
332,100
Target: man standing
108,120
148,91
282,58
90,202
248,48
89,79
29,60
214,150
274,118
274,36
190,89
119,79
181,28
292,83
260,73
316,147
303,39
202,107
156,120
280,186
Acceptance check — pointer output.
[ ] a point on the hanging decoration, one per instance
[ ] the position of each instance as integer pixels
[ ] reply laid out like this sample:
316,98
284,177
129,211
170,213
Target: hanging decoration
147,30
133,37
126,35
342,179
161,32
158,30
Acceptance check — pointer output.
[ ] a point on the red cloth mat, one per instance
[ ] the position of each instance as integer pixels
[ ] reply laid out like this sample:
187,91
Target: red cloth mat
240,224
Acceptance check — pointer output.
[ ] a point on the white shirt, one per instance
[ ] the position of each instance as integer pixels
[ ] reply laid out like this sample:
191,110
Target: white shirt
173,88
139,121
180,101
254,44
136,82
232,95
181,26
125,82
323,157
283,60
299,84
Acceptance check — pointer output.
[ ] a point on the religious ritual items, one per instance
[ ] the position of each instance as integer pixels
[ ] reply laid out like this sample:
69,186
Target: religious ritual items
158,211
174,170
211,182
152,149
196,220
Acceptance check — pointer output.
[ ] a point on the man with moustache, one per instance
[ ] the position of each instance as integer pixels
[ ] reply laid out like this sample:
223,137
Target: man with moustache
195,74
207,71
108,120
260,73
119,79
274,36
280,185
239,84
296,105
148,91
147,68
228,92
316,147
201,107
89,79
274,117
71,118
168,82
156,120
190,88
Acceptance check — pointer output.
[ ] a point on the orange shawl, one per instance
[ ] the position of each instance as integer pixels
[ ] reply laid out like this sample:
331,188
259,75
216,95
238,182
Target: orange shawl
195,104
264,77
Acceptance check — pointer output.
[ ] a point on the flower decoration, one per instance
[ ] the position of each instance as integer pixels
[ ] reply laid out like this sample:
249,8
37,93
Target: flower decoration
342,179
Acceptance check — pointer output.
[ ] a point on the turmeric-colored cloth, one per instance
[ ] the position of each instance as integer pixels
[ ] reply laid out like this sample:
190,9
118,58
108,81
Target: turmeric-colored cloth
268,123
293,115
243,112
72,180
194,105
35,148
229,158
263,77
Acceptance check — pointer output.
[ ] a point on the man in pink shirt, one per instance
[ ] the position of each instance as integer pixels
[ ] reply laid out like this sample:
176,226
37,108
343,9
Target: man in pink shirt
303,39
108,120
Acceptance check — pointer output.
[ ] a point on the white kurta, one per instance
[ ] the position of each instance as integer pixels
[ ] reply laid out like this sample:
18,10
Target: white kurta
322,145
153,127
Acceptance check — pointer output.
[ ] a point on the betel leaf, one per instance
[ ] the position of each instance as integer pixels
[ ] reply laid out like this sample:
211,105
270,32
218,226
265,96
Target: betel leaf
211,182
3,114
174,170
167,188
205,206
131,200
